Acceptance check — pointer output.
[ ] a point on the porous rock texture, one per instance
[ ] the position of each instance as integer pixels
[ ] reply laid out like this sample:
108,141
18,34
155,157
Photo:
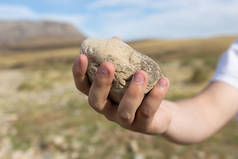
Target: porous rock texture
126,61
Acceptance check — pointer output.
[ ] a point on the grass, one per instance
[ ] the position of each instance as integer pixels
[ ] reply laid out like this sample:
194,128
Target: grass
54,118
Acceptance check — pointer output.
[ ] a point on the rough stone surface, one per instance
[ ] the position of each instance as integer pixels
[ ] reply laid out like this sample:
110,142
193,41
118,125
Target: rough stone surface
126,61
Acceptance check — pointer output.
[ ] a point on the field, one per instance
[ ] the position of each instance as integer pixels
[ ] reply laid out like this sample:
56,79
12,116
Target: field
43,116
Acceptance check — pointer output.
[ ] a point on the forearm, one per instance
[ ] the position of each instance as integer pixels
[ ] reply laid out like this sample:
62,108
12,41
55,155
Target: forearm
191,125
195,119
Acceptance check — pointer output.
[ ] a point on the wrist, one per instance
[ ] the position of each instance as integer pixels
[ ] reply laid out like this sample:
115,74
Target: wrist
171,110
164,118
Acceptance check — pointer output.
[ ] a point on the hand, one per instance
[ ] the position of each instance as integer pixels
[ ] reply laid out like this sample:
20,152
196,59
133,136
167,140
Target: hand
135,111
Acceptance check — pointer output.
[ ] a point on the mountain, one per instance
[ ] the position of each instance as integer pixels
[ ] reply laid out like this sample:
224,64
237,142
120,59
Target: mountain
38,34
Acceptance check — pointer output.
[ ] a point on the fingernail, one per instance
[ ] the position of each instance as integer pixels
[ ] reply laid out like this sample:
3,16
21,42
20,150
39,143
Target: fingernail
138,78
162,83
103,71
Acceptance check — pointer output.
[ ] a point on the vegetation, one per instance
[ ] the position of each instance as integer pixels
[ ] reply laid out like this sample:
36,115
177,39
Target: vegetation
42,115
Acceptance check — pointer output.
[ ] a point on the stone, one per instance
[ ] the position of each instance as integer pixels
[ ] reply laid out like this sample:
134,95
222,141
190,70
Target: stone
126,61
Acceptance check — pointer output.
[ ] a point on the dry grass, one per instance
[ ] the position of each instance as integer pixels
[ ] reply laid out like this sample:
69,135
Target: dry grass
18,59
170,49
43,116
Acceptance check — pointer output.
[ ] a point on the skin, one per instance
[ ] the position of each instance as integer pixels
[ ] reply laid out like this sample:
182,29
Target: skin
185,121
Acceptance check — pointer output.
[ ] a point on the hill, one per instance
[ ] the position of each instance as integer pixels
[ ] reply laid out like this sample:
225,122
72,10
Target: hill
185,51
173,49
37,34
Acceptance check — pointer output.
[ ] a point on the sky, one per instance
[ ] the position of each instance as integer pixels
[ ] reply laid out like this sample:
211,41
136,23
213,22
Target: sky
132,19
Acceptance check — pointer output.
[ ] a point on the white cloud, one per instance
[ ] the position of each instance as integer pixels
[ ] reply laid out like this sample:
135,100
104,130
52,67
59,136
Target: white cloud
76,20
152,4
144,18
18,12
170,19
15,12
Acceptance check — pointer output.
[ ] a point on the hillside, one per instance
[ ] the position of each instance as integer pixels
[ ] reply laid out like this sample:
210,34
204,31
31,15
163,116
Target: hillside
37,34
207,50
170,49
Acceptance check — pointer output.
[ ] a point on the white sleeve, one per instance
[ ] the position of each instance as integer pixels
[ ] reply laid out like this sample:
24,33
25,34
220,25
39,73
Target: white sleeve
227,68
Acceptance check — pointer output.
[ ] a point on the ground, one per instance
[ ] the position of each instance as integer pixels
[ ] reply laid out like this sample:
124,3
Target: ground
43,116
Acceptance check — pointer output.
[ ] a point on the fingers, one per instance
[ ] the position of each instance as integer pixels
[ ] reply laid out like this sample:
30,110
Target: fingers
134,111
132,99
79,72
101,86
150,105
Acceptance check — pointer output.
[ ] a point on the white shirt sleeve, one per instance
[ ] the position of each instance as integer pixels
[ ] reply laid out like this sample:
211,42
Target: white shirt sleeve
227,68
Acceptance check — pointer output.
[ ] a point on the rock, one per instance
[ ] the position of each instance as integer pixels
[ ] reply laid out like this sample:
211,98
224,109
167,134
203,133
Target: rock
134,146
138,156
126,61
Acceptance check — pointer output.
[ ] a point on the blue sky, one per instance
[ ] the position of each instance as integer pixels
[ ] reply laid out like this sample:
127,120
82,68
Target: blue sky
132,19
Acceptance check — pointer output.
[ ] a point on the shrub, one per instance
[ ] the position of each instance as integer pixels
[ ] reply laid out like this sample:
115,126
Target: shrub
200,74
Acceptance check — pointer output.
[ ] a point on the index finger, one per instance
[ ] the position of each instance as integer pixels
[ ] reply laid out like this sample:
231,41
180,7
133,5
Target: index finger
79,72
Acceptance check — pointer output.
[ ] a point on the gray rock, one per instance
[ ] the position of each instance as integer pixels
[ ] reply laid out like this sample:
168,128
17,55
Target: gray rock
126,61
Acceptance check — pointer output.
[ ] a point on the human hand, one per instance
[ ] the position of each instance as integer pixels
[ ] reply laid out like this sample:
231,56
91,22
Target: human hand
136,111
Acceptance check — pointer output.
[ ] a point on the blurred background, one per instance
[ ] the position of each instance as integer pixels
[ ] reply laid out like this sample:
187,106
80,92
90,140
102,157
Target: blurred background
43,116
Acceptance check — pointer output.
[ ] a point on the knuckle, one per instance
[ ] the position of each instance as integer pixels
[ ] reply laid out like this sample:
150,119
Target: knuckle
157,94
79,86
141,128
146,113
101,82
94,104
109,117
125,117
131,93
